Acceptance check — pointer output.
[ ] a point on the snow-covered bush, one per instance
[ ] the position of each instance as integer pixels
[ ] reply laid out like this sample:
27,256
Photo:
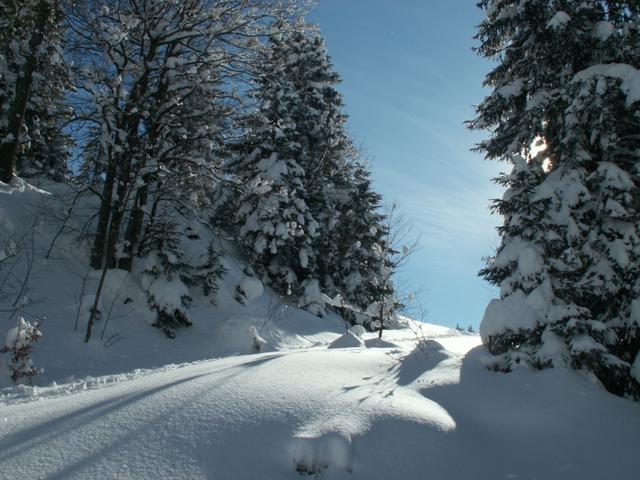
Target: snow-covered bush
248,289
312,299
167,274
19,343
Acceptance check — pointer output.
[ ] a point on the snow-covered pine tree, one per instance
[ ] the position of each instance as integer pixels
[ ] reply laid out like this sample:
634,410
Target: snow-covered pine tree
33,81
359,241
276,228
600,140
285,160
298,132
568,261
167,292
531,264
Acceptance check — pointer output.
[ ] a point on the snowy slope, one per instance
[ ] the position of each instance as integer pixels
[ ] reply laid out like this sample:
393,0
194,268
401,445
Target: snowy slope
134,404
370,413
123,338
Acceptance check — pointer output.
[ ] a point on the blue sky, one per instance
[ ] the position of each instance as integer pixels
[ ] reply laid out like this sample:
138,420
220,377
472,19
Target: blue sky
410,80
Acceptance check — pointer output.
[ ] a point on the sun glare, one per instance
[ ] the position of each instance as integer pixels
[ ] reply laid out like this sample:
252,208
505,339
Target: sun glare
537,146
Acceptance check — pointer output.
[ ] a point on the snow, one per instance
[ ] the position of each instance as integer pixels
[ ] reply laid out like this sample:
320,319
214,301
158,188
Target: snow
255,391
313,299
628,76
559,20
304,258
603,30
348,340
342,413
514,89
358,330
251,288
513,312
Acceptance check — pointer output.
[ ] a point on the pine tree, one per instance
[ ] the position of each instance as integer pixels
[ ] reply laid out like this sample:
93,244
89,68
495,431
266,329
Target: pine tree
569,260
298,163
358,242
291,161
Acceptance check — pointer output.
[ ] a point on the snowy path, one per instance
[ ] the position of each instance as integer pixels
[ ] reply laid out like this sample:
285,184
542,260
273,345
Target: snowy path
352,413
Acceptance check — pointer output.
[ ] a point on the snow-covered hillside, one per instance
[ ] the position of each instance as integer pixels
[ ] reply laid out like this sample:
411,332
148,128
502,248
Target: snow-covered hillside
61,289
132,403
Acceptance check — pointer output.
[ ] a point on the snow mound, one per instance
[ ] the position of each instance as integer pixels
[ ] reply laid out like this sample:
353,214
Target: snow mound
348,340
358,330
379,343
248,290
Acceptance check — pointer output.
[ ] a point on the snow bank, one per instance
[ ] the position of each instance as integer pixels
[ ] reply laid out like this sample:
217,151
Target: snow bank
348,340
249,289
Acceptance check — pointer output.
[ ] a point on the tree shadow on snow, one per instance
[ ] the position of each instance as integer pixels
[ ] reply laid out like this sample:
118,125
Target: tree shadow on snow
426,356
40,434
533,424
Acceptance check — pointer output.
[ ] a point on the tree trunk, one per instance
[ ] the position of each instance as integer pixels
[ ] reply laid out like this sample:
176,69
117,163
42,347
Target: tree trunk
136,217
134,227
99,244
9,149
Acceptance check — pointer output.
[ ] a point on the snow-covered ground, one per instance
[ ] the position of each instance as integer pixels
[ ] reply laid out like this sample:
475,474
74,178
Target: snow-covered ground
135,404
365,412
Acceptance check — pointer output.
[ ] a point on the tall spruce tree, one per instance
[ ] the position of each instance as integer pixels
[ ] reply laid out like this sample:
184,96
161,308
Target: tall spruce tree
307,217
358,245
289,160
569,259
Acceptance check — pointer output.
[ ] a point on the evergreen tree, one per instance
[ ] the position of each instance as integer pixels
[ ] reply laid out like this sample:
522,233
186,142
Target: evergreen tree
291,161
298,163
569,258
358,242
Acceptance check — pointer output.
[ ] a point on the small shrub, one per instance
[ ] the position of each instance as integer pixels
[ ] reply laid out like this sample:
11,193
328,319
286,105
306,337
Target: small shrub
19,342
